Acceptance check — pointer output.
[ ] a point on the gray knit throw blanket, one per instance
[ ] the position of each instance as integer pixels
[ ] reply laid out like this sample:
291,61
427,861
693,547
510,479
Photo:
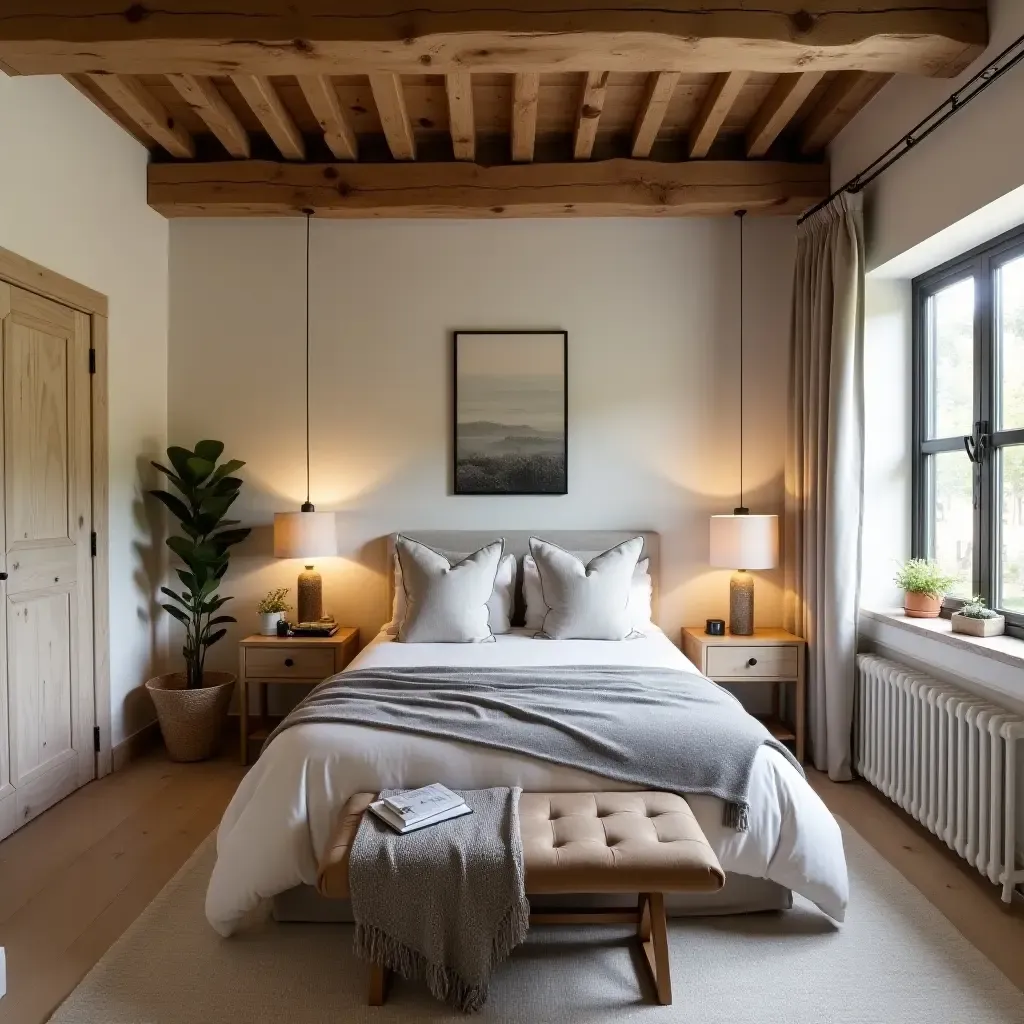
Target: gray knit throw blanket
444,904
653,728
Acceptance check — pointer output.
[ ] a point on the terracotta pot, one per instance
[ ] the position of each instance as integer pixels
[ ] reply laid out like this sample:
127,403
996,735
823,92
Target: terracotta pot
921,606
191,721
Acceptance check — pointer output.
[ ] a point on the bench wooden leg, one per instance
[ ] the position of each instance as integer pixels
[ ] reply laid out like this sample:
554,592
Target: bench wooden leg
652,931
379,977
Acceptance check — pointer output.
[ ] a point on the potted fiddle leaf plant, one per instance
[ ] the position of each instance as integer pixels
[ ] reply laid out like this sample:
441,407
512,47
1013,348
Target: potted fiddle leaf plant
191,705
924,585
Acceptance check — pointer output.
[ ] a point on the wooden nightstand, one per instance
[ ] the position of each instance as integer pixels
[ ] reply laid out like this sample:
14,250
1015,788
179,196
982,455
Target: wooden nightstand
303,661
770,656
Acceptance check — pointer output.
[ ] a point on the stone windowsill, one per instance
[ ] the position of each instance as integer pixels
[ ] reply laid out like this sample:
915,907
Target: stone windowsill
1005,649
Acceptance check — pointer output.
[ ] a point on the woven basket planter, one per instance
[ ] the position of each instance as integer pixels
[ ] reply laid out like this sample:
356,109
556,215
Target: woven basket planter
191,721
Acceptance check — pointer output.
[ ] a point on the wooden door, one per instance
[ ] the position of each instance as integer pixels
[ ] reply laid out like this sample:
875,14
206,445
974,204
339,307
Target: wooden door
47,705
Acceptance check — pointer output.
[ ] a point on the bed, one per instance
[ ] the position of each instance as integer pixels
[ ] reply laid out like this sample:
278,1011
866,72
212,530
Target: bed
280,819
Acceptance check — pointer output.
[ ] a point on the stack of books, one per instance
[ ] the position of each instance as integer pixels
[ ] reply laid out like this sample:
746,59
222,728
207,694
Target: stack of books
407,812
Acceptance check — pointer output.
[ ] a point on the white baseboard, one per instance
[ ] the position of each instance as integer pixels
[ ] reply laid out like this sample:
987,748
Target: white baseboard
3,973
133,747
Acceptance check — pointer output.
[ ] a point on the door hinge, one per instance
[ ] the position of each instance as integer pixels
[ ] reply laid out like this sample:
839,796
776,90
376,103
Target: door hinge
92,543
92,360
96,738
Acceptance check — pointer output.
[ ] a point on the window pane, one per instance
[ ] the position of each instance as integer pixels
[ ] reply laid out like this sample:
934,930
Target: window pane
1010,576
950,325
1010,341
951,516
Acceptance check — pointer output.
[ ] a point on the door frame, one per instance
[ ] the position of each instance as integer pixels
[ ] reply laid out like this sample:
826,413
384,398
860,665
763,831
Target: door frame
33,277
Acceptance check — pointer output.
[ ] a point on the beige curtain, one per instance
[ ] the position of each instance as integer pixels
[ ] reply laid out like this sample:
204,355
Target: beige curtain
825,471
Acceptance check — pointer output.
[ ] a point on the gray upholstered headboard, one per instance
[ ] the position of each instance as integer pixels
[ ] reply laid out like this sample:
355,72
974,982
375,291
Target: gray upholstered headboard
517,542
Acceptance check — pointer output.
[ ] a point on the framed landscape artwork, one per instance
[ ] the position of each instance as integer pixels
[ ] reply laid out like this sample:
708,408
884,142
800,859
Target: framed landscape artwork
511,412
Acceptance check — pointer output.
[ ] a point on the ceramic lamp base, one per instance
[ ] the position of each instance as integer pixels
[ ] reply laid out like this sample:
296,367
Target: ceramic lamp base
311,595
741,604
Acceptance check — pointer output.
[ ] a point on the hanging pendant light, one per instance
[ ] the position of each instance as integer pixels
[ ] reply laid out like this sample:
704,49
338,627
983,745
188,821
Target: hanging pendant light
306,534
741,541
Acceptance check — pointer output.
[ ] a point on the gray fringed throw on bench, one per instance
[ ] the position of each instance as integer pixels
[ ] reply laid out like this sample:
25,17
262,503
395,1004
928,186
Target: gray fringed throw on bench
445,903
654,728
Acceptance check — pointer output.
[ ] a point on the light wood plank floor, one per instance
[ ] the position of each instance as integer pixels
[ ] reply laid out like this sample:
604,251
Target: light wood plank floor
74,879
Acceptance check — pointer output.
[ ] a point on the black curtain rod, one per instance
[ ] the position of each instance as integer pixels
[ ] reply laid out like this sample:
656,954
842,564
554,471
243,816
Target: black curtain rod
1009,58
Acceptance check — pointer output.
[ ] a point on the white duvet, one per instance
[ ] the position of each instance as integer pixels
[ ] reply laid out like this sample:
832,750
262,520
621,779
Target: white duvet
280,819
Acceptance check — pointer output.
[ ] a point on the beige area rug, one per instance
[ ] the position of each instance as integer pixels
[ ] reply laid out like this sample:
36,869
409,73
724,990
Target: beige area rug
897,960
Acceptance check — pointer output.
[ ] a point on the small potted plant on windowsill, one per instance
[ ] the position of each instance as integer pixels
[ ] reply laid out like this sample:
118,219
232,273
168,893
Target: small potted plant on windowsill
272,609
924,585
975,619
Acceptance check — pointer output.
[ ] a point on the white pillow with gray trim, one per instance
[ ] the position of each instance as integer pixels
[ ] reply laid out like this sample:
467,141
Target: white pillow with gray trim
499,605
586,602
446,603
641,592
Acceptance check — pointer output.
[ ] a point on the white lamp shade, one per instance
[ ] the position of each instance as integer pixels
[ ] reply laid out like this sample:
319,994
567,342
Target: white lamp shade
304,534
744,542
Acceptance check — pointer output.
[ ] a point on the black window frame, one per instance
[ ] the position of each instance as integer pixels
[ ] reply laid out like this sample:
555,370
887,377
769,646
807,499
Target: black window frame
981,264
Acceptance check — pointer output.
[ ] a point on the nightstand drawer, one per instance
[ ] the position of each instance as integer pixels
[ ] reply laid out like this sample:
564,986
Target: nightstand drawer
289,663
753,661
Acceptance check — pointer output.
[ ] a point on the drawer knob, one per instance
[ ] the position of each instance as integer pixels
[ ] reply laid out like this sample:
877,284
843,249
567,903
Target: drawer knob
288,662
751,662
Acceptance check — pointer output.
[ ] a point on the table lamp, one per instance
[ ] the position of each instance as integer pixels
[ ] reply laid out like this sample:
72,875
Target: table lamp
743,542
307,533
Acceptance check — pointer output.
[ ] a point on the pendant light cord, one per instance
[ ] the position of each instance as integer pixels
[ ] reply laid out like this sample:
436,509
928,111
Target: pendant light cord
741,214
308,507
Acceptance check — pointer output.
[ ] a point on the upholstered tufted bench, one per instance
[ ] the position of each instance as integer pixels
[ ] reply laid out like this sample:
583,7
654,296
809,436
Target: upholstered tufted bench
583,843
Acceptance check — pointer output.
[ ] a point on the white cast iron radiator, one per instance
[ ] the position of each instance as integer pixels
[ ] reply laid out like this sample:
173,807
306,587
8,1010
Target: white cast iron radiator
947,757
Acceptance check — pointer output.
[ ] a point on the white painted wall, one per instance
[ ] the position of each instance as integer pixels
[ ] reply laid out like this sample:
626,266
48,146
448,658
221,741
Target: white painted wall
73,198
652,314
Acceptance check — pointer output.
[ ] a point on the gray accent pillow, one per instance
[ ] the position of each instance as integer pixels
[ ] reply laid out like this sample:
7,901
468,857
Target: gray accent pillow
586,602
445,603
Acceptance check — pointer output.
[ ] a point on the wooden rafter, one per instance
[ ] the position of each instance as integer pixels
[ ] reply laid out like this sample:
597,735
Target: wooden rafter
525,95
714,110
850,91
85,86
259,93
780,105
459,87
595,87
323,102
146,111
278,37
394,117
657,95
202,96
454,189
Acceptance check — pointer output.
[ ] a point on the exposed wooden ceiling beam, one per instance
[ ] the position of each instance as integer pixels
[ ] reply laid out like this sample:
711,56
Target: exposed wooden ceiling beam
714,110
595,86
202,96
657,95
147,112
525,94
323,102
453,189
280,37
850,91
84,85
261,96
462,125
778,109
394,118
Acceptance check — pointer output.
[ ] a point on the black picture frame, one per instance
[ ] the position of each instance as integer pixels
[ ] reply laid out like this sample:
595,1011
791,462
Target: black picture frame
534,461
